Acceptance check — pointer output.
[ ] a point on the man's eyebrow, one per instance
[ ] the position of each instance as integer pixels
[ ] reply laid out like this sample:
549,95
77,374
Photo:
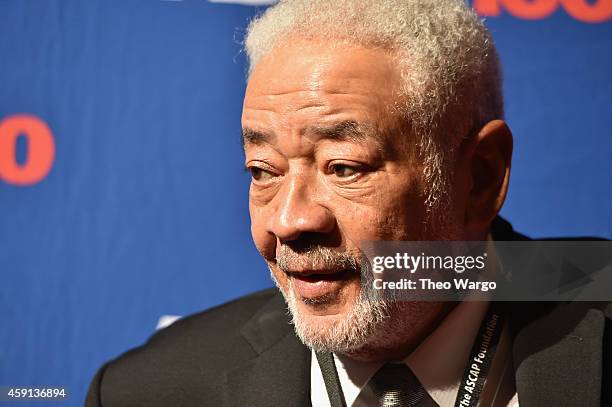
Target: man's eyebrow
251,136
347,130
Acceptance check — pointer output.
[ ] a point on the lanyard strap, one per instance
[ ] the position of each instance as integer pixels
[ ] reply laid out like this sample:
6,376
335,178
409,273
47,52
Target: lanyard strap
331,379
481,357
474,376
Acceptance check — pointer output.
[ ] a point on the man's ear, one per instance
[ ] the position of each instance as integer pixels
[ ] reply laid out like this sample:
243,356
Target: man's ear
489,175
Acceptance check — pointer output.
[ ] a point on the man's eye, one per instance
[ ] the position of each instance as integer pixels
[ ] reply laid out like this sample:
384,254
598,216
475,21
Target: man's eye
343,170
259,174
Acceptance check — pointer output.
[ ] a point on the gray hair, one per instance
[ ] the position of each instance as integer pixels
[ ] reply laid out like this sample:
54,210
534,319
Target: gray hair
450,69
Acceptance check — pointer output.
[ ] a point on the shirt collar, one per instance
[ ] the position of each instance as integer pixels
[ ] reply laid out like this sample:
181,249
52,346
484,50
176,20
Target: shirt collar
438,362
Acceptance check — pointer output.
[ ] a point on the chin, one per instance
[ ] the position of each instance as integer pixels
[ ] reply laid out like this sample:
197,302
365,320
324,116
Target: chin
318,323
341,323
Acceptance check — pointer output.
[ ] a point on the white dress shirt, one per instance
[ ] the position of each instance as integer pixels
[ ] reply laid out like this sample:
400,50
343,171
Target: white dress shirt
438,362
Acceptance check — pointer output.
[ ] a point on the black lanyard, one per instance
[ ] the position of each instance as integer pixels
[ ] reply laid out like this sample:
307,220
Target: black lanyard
330,377
474,376
481,357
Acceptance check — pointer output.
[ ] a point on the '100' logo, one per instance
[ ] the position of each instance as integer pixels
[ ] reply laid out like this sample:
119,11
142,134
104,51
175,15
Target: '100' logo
588,11
40,149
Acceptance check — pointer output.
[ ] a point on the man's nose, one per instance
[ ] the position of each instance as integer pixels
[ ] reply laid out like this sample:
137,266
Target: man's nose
299,210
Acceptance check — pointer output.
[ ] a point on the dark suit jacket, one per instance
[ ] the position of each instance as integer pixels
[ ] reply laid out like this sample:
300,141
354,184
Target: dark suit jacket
245,353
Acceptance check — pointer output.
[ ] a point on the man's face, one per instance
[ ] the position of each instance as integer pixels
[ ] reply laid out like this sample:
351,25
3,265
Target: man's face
331,167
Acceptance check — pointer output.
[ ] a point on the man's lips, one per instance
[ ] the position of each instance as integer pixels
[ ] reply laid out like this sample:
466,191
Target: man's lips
317,283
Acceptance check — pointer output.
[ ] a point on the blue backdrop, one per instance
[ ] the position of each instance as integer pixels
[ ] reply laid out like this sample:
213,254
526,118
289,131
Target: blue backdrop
132,202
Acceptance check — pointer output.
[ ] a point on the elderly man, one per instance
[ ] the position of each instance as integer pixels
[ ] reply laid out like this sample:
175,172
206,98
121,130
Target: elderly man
366,121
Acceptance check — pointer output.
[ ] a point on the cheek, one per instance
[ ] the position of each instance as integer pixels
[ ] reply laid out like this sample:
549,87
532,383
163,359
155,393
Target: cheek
394,213
362,223
265,242
408,221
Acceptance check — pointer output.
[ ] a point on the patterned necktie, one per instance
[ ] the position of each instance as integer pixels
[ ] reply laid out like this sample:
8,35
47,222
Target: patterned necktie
396,386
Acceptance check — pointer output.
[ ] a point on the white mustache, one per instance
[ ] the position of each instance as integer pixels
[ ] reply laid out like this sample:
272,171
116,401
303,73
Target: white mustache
315,258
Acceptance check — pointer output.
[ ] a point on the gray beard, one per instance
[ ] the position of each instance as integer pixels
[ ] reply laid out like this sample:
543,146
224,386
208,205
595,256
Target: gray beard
342,335
373,324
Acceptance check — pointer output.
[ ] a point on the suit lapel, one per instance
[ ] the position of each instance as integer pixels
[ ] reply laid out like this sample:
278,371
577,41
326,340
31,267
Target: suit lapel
557,349
280,373
558,357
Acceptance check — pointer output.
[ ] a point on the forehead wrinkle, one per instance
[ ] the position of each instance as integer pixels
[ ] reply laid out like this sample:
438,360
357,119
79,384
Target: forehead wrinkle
295,101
